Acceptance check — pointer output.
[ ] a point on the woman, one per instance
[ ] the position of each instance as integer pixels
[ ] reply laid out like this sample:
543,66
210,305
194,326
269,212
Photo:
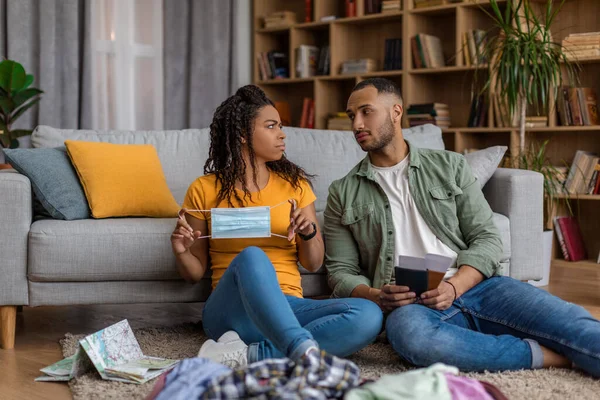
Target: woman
257,294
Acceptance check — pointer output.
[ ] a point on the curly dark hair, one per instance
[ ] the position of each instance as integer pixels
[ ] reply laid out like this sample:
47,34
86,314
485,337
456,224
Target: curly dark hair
232,121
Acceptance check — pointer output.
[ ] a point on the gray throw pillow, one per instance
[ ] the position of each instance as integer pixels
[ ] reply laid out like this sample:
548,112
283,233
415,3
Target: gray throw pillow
484,162
53,179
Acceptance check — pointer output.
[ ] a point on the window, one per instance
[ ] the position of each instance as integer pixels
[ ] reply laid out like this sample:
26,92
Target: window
127,64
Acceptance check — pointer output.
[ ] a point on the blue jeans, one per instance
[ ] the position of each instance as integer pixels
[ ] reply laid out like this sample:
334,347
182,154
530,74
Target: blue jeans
497,325
248,300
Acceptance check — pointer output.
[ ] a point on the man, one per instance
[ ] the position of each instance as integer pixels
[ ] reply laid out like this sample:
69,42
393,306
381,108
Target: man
402,200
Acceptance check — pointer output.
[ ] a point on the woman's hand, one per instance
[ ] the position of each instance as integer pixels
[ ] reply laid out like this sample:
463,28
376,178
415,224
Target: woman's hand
299,221
183,236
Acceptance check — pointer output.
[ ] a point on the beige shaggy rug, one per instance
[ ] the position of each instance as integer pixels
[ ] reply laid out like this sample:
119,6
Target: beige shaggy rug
378,359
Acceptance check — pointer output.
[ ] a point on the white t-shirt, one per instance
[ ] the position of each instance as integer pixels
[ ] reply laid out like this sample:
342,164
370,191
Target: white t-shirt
413,237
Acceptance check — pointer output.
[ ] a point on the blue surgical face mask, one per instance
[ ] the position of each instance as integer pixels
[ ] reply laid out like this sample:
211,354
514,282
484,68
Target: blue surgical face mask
239,223
249,222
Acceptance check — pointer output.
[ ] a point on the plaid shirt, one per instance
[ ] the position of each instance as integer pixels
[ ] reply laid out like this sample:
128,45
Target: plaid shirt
316,376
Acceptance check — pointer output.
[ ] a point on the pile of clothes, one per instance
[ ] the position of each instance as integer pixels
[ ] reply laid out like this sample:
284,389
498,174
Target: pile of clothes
317,376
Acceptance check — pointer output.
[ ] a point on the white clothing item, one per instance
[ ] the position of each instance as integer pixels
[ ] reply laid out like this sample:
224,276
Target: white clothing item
412,235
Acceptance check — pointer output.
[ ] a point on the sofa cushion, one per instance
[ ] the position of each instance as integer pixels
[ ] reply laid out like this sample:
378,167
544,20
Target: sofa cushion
484,162
102,250
54,181
122,180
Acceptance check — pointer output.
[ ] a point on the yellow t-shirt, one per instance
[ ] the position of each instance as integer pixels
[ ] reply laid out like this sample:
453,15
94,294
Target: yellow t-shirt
202,195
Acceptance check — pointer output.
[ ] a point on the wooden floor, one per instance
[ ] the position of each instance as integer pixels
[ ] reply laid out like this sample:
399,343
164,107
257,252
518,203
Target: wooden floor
39,330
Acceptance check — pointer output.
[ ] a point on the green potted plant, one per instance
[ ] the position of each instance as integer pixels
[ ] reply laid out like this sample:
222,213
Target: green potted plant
524,63
535,159
16,97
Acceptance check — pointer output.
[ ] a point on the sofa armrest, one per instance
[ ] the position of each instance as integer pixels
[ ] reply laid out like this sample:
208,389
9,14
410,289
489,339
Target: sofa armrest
15,221
519,194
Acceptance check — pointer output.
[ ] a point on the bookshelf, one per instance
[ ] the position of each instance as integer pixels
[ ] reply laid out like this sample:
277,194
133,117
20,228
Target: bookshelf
363,36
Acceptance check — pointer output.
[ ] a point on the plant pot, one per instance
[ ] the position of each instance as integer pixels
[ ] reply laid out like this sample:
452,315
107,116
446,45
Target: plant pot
548,237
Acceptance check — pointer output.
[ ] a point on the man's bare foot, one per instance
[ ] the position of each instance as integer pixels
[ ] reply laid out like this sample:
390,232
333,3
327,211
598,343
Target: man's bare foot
552,359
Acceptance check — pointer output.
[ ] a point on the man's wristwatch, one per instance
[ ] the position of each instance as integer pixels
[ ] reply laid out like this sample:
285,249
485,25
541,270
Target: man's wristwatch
310,235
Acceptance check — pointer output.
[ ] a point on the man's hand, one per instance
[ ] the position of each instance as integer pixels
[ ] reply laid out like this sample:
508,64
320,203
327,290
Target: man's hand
394,296
439,299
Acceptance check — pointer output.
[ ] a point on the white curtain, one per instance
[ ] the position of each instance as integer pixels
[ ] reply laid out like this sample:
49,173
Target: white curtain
127,64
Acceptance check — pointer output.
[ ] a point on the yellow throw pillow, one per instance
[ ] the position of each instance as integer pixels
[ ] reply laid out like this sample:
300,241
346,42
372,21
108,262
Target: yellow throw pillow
122,180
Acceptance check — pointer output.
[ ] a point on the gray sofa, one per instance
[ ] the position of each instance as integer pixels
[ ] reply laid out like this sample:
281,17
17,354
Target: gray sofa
129,260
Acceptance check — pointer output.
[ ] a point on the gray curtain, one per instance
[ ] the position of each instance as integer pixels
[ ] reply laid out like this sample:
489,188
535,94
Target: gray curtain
199,60
49,38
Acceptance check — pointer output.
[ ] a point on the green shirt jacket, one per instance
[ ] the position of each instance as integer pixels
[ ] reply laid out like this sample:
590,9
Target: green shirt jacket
359,230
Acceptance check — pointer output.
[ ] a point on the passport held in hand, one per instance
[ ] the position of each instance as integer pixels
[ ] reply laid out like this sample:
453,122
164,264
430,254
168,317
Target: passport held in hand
422,274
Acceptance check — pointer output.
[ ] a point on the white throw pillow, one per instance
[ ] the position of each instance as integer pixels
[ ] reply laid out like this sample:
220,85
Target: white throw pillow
484,162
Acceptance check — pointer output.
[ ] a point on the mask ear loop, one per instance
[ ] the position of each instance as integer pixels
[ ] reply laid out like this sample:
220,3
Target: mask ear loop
201,237
277,205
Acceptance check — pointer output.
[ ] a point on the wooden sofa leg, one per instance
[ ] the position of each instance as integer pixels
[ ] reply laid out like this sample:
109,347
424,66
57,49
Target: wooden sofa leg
8,318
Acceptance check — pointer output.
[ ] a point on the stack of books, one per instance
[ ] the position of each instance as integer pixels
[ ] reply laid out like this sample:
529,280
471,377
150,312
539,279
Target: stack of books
427,51
536,122
577,106
474,41
391,6
581,46
583,174
393,55
429,113
280,19
339,121
312,60
273,65
360,66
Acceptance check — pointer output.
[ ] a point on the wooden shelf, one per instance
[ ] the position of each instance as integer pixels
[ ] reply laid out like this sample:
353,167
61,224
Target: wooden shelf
578,196
314,25
284,81
443,9
381,73
588,128
281,29
482,130
371,18
444,70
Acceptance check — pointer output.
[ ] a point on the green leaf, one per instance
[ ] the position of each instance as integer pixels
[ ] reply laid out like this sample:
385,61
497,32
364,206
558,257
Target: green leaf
28,81
12,75
14,144
21,110
6,105
24,95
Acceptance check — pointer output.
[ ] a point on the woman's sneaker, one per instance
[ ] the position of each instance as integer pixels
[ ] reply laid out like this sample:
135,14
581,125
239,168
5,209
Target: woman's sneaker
229,350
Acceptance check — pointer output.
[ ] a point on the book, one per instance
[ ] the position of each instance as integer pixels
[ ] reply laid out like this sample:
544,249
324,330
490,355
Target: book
571,233
308,10
561,239
589,105
115,354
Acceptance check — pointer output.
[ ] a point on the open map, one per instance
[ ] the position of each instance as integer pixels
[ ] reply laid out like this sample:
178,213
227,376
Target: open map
116,355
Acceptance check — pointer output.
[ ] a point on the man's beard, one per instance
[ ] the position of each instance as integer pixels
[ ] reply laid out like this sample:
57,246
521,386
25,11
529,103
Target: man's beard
385,135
